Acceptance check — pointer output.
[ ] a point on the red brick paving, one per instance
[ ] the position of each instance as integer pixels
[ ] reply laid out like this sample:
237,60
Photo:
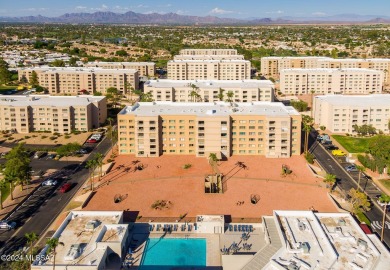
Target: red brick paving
164,178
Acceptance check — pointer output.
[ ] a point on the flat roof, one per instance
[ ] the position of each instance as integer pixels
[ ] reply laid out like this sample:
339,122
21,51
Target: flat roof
324,241
357,100
295,57
87,228
209,108
355,60
47,100
80,69
330,70
209,61
120,63
210,83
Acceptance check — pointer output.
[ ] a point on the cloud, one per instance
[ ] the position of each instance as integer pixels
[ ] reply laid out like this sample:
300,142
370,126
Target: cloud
154,11
181,12
142,6
319,14
220,11
102,8
80,7
36,9
275,12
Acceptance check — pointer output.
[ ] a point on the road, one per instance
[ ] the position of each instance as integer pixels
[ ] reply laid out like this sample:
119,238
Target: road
346,181
45,204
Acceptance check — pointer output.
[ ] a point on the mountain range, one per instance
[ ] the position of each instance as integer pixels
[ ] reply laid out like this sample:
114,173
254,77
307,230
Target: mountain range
176,19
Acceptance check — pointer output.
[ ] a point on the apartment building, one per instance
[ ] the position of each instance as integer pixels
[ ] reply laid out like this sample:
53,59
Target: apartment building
209,70
331,81
271,66
62,114
340,113
151,129
144,68
208,52
72,80
210,90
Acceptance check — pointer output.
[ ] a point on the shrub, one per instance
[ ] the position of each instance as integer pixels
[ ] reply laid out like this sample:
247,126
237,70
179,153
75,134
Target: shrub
27,137
56,134
109,160
67,136
187,166
53,138
309,158
322,128
10,138
43,137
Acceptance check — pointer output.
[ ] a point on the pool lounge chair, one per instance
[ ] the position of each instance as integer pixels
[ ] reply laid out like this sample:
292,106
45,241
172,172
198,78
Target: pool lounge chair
239,228
175,228
235,228
195,226
230,228
189,227
183,227
250,228
158,227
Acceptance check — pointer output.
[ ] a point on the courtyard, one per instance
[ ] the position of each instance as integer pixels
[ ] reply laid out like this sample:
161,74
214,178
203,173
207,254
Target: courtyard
140,182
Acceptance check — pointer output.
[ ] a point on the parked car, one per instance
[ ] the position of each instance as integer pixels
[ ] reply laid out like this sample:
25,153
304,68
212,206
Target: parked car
66,187
51,156
7,225
338,153
331,147
57,157
39,154
49,182
91,141
351,168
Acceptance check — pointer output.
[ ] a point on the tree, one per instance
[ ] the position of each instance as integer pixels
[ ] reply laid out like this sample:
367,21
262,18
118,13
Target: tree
361,170
220,94
91,165
359,201
307,122
212,159
112,94
330,180
385,200
230,95
31,238
68,149
58,63
299,105
34,79
73,62
53,243
5,74
23,79
99,162
146,97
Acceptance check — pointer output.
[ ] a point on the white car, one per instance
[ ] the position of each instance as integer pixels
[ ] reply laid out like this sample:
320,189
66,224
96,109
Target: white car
49,182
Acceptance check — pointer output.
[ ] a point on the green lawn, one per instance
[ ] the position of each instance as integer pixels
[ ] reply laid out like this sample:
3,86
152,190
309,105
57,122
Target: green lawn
4,88
353,145
386,183
5,193
362,217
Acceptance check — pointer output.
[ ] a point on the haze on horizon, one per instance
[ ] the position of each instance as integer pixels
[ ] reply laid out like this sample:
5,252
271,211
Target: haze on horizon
232,9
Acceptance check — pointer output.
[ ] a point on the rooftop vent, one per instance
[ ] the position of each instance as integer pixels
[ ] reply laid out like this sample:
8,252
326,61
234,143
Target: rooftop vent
211,111
91,225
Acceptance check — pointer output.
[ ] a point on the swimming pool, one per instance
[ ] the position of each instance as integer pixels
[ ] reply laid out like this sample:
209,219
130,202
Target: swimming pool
165,252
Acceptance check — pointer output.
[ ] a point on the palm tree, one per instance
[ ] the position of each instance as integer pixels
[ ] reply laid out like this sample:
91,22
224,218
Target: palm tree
110,120
52,246
99,162
311,102
330,179
91,165
385,200
31,238
220,95
230,95
212,159
3,184
307,122
361,170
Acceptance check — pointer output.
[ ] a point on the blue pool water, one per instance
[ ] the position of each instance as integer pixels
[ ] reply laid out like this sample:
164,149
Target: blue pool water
174,252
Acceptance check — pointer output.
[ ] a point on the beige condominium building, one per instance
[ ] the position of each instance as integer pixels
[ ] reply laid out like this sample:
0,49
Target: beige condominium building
271,66
209,70
330,81
70,80
151,129
208,52
210,90
340,113
144,68
24,114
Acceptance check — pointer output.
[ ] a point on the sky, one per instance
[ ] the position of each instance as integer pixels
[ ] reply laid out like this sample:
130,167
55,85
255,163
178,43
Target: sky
220,8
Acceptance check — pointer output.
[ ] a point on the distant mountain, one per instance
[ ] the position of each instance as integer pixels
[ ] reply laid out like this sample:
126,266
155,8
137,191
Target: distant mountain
176,19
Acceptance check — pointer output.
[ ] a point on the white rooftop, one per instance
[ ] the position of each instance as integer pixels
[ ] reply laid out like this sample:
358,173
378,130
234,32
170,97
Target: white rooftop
358,100
97,63
93,230
324,241
47,100
79,69
209,108
210,83
294,57
330,70
209,61
355,60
